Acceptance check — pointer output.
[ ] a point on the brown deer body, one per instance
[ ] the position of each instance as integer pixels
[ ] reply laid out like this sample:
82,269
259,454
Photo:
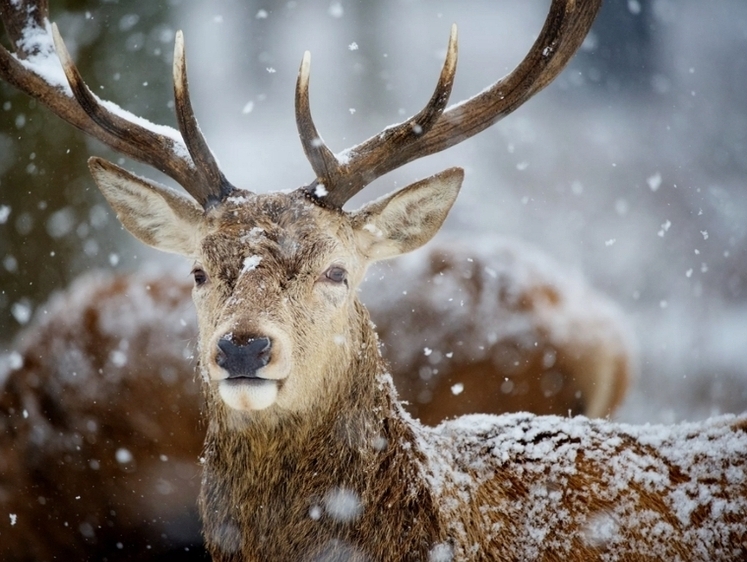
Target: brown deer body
128,341
494,313
308,454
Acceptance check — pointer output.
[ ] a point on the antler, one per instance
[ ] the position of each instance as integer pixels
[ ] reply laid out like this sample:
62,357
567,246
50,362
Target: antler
435,129
35,71
186,157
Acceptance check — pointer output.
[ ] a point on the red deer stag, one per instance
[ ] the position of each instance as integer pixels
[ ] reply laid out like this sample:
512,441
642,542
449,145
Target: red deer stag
308,453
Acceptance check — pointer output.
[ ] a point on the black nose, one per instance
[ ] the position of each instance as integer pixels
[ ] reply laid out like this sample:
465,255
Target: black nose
243,361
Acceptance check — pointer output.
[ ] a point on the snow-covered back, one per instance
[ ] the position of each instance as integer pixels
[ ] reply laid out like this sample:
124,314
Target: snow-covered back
541,485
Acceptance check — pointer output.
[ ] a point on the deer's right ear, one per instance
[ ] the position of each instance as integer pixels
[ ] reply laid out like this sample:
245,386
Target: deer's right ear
153,213
408,218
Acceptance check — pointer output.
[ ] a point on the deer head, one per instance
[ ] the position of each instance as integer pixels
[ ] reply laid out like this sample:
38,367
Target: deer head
276,274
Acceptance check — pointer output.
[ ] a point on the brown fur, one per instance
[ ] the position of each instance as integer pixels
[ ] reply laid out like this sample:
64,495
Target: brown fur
283,468
503,323
608,476
517,487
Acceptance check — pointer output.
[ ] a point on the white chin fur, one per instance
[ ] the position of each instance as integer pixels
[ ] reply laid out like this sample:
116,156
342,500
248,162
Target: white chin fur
247,396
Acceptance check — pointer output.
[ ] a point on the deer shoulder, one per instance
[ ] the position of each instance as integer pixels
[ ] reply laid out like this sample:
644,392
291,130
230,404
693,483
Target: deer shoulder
581,489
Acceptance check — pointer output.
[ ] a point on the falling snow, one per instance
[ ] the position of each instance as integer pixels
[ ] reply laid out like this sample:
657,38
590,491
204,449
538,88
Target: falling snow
15,360
118,358
441,552
654,182
4,213
21,311
343,505
634,6
123,456
336,10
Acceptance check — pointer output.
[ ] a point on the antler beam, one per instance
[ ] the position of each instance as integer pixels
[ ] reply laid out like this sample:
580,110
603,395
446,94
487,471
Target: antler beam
564,30
189,163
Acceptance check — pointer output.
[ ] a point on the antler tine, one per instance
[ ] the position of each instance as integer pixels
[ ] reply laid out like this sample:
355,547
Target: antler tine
564,30
360,166
213,186
323,162
24,16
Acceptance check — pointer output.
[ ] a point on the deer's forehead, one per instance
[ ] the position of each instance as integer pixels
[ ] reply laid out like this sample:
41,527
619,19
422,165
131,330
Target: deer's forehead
245,207
285,228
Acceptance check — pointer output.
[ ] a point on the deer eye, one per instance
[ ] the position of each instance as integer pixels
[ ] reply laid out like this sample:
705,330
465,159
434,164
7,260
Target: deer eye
200,276
336,274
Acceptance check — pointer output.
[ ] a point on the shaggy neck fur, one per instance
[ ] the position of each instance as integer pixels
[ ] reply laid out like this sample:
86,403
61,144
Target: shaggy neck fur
332,484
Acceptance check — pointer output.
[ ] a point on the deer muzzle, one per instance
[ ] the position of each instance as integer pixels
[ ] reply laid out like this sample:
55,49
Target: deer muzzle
249,368
242,361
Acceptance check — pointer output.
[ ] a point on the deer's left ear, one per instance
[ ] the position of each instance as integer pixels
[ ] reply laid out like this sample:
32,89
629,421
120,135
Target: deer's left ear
405,220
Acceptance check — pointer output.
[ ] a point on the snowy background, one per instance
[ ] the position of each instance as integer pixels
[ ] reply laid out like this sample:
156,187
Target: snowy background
630,167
